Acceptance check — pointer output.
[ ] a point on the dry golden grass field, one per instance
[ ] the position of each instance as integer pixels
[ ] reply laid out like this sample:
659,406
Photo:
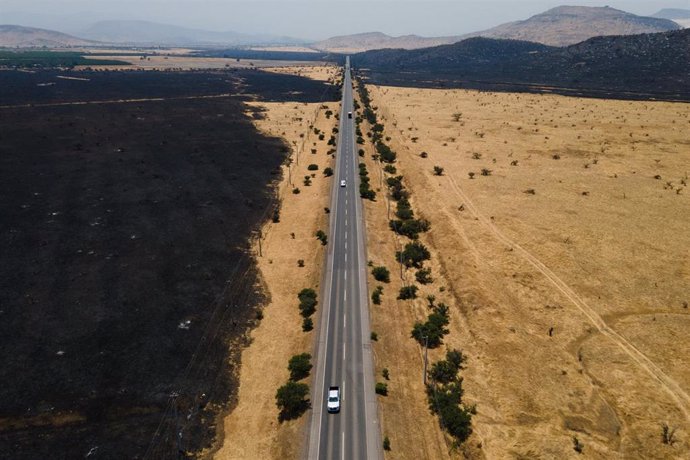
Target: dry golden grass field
251,429
566,263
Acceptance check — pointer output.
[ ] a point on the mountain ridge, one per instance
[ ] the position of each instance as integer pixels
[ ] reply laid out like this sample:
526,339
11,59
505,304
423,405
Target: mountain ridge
559,26
15,36
653,64
154,33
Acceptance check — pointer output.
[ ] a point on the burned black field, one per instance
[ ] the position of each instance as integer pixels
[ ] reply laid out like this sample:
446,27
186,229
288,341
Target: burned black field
126,287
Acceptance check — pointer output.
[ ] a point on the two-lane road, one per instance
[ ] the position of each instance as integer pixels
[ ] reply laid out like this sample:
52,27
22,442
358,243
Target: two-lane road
343,353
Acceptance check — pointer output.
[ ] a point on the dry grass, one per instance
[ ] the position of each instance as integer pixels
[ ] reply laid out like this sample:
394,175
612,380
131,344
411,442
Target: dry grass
598,252
252,430
184,62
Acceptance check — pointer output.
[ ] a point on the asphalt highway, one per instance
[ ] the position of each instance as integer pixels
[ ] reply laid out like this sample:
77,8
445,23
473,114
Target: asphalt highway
343,353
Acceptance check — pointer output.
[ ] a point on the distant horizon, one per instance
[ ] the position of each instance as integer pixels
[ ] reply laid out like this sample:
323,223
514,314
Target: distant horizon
301,19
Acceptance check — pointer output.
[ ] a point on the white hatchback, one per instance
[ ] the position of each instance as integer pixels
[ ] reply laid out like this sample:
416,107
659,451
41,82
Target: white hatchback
343,183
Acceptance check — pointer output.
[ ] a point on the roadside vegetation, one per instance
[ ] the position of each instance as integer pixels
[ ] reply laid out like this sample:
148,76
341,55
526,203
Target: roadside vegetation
443,385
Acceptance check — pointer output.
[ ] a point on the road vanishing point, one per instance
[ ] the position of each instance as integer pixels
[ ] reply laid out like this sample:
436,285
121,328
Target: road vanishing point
343,352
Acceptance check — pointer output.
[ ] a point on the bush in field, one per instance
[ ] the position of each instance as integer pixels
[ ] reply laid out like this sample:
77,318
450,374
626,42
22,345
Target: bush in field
328,172
321,236
423,276
390,169
307,302
376,295
307,324
382,274
313,167
381,389
408,292
438,171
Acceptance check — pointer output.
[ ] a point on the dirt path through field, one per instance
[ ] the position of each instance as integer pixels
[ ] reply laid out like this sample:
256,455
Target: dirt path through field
670,385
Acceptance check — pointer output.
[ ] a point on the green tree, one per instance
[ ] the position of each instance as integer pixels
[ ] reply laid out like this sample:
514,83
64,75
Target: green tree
413,255
299,366
291,400
408,292
423,276
382,274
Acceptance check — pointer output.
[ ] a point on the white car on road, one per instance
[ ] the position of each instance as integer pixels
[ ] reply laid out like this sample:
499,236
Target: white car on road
343,183
333,404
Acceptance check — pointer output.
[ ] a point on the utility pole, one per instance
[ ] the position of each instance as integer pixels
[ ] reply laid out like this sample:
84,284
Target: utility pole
426,347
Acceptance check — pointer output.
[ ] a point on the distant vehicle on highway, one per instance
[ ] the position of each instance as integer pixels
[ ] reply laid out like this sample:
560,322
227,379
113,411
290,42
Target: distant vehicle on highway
333,399
343,183
349,114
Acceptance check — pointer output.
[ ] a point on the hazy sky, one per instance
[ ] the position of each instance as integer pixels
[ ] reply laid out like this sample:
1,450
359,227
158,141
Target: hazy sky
313,19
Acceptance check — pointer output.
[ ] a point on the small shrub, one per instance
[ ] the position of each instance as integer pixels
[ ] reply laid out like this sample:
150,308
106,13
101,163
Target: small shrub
376,295
328,172
668,434
423,276
514,163
486,172
577,445
386,444
382,274
295,191
307,302
307,324
300,263
385,373
408,292
390,169
476,156
307,181
471,174
530,191
424,155
276,215
438,171
381,389
321,236
313,167
374,336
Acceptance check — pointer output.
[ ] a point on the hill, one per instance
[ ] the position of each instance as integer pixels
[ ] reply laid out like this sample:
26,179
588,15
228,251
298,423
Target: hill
561,26
12,36
567,25
679,16
151,33
652,65
377,40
